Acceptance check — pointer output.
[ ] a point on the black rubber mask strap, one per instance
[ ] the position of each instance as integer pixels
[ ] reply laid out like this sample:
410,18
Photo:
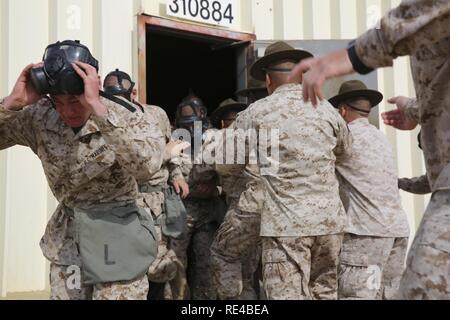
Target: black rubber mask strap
124,104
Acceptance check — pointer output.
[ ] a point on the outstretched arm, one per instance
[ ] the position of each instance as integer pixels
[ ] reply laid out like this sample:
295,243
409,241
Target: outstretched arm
411,25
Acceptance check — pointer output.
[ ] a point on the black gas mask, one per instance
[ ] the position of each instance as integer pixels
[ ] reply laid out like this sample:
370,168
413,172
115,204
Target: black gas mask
119,89
199,114
57,76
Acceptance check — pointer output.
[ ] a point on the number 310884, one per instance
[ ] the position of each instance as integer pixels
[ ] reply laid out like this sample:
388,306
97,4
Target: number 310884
204,9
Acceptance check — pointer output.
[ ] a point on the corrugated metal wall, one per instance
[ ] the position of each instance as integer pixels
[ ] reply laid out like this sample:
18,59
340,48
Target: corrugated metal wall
108,27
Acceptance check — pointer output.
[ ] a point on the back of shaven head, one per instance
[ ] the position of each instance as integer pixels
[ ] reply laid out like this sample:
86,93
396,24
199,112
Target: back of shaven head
281,77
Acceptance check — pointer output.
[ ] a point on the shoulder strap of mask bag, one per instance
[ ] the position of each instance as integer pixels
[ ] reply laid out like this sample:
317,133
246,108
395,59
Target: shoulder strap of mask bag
123,103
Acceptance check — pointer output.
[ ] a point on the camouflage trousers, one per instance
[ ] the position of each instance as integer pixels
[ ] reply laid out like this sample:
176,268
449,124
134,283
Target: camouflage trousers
302,268
167,272
66,284
235,255
427,274
371,267
194,249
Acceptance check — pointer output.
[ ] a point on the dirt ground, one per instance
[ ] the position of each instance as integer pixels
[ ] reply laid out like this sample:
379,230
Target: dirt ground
42,295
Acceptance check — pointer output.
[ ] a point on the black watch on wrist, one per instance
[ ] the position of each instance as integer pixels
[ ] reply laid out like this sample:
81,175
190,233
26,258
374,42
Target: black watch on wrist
357,64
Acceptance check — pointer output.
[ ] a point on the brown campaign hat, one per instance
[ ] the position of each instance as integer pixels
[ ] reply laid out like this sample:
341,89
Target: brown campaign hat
254,86
277,52
226,106
356,89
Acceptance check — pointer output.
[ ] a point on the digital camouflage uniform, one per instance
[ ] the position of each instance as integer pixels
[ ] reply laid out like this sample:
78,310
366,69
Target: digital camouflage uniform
236,249
302,216
194,249
417,185
167,267
376,239
97,166
420,28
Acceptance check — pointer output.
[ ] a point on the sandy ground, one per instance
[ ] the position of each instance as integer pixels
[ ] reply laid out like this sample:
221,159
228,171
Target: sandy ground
43,295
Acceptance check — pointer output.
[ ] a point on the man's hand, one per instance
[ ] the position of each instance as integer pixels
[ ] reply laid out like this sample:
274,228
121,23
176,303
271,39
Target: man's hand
23,93
397,118
181,187
317,70
175,148
91,97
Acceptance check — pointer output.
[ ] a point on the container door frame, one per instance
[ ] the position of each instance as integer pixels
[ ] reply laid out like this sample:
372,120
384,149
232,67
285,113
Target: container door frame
183,27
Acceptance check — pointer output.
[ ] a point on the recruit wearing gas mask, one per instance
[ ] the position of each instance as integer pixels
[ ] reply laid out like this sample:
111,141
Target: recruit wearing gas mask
191,110
119,89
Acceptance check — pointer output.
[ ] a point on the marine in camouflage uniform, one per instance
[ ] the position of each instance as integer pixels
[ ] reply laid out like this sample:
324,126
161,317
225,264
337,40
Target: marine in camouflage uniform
236,249
421,29
302,216
234,261
97,165
166,267
202,206
376,240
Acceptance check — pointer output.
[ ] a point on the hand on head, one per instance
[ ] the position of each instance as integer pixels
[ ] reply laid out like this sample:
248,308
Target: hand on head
23,93
90,97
